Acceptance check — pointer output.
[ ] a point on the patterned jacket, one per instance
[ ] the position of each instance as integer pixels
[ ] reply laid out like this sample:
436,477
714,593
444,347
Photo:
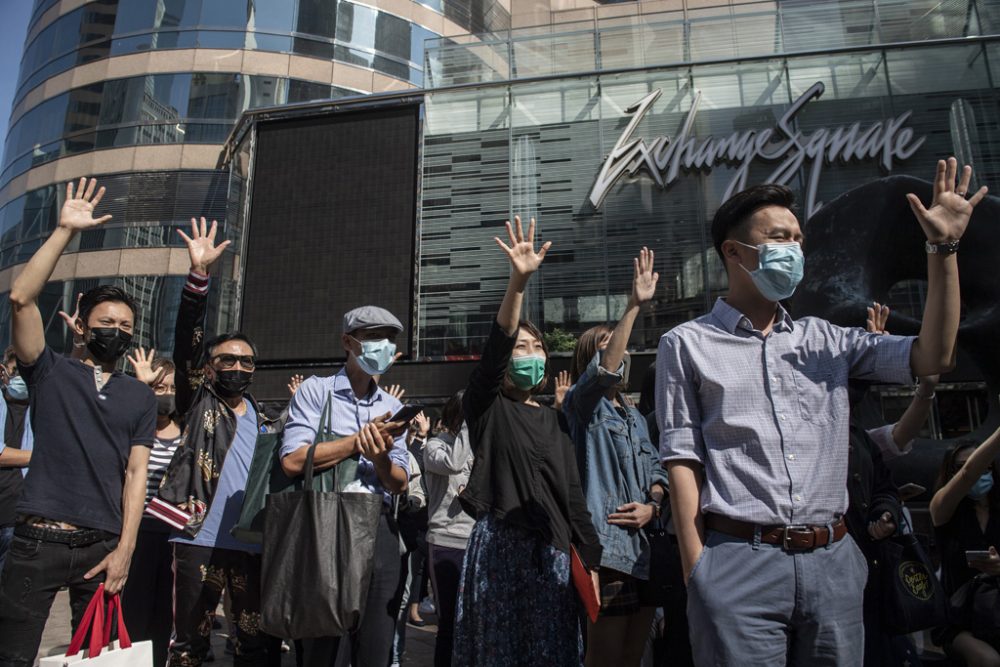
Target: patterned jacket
209,425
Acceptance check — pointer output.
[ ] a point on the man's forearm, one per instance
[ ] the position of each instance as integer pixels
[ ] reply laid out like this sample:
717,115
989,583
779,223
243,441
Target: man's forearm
11,457
328,454
393,477
934,349
133,500
685,504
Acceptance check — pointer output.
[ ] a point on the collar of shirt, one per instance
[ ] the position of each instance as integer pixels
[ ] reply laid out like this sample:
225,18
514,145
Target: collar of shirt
342,387
732,319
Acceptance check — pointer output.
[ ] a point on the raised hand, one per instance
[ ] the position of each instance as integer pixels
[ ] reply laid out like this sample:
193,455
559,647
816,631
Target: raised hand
421,425
78,210
294,383
562,386
395,391
142,363
643,277
949,213
521,252
201,245
878,315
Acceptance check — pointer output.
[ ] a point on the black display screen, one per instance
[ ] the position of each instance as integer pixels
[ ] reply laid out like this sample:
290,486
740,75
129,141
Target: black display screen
331,227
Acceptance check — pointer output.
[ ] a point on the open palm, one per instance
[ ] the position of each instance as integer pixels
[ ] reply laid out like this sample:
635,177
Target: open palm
201,245
644,278
949,213
77,212
521,252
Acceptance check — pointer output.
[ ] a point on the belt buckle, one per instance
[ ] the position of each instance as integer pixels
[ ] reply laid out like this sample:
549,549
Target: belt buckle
786,537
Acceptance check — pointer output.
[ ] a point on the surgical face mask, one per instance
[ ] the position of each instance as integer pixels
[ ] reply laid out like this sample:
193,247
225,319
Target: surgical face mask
231,384
376,355
17,389
166,404
779,269
108,344
527,371
982,486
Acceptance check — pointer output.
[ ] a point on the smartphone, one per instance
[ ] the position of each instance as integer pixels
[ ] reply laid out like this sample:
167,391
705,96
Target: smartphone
911,490
407,413
976,556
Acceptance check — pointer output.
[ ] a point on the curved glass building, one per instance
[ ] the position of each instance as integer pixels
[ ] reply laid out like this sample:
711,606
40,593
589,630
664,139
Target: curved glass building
143,94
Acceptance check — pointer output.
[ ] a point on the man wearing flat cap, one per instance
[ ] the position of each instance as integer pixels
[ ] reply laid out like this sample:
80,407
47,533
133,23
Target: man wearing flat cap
359,413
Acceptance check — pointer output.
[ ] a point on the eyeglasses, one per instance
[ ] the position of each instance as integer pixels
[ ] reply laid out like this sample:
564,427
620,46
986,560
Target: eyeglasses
228,361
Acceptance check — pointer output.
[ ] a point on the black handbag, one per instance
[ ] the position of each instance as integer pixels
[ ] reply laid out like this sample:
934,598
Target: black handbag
975,607
318,556
912,597
666,577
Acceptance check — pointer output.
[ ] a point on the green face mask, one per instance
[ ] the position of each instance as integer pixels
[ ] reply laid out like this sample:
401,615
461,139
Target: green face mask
527,371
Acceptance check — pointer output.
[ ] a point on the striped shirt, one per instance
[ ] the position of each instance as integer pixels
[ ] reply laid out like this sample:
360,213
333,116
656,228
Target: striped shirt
767,416
159,458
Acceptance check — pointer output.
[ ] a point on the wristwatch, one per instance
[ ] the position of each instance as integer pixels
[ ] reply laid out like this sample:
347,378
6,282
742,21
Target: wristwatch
656,508
946,248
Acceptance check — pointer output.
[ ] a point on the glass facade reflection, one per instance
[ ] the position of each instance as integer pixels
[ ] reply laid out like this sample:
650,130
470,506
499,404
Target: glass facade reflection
148,208
337,29
191,107
531,141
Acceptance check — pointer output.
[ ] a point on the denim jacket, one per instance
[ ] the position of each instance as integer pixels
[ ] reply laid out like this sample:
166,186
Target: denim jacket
618,464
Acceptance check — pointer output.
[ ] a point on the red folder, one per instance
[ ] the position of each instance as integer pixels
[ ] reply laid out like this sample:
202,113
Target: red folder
584,585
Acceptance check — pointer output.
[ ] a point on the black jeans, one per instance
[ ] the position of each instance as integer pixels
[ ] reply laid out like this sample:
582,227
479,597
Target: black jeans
147,600
33,574
371,645
446,573
200,573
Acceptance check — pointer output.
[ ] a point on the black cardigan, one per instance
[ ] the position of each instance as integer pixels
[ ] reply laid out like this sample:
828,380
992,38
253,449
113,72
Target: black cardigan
525,468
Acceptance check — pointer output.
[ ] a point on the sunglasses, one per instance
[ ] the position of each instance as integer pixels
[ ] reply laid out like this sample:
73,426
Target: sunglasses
228,361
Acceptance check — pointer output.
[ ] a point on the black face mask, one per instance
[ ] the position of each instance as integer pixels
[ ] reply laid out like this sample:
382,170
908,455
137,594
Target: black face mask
108,344
231,384
166,404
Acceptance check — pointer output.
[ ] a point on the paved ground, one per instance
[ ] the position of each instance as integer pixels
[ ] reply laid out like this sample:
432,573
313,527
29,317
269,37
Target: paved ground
419,641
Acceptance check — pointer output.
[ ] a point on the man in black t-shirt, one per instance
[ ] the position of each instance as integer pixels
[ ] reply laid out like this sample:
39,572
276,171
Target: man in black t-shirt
82,499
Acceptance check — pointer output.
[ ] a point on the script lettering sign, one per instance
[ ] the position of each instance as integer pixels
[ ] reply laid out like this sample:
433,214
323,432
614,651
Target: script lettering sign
664,158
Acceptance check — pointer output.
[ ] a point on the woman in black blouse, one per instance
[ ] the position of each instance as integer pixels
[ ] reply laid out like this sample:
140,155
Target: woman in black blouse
516,601
965,511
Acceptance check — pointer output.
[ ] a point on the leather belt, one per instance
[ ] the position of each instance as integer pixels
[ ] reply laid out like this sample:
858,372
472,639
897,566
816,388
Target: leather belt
73,538
789,538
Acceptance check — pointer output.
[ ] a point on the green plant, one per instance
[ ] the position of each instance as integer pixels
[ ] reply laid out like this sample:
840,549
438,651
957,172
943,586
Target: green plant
559,340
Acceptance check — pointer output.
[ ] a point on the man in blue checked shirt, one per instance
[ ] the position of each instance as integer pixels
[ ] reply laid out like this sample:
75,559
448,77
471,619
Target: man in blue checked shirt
359,412
753,414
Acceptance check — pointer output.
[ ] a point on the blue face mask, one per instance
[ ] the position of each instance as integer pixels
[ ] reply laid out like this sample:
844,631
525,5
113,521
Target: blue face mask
981,487
17,389
376,355
779,269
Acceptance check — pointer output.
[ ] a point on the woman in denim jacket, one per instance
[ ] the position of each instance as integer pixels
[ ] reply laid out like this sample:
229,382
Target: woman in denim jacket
621,476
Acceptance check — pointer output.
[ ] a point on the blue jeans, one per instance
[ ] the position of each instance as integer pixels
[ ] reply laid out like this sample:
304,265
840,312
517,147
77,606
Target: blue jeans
6,535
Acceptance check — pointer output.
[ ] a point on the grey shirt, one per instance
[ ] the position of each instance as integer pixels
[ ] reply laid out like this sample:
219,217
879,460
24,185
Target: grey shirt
447,464
767,416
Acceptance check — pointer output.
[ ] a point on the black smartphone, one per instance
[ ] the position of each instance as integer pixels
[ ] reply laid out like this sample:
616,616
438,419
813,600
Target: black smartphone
407,413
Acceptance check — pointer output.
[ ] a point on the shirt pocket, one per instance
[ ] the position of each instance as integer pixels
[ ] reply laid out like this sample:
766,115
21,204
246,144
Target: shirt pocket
816,389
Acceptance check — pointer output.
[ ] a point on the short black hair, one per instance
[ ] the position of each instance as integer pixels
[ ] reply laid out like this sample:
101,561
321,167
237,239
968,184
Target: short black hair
98,295
736,210
225,338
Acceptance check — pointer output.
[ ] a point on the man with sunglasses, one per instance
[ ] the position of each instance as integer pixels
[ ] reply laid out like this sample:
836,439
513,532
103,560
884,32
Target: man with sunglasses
207,477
